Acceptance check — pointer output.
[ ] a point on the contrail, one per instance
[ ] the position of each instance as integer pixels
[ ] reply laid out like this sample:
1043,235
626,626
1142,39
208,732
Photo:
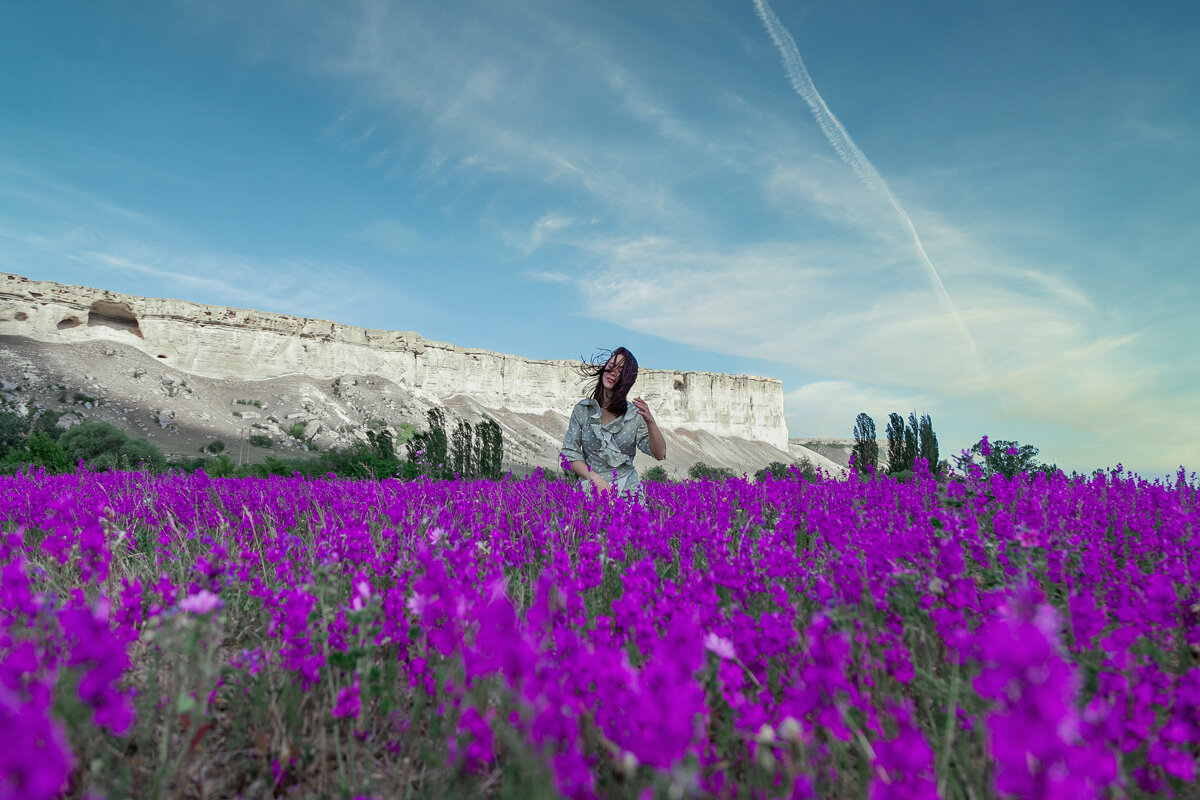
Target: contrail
854,158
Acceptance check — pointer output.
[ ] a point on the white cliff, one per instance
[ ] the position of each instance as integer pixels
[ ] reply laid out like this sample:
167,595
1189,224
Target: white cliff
221,343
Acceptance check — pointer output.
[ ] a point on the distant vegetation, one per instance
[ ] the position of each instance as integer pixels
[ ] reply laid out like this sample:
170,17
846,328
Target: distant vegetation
915,439
471,451
906,442
99,446
1008,458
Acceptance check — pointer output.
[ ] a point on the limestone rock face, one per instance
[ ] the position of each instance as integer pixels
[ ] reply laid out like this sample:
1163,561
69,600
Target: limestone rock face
233,344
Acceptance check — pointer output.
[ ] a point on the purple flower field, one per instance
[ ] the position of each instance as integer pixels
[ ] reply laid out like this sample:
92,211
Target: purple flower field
184,636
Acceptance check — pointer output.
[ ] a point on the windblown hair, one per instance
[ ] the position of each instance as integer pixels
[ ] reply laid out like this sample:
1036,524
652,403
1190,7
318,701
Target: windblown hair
594,370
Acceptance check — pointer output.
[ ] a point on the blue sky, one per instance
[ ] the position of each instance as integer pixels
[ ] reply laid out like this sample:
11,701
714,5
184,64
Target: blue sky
982,211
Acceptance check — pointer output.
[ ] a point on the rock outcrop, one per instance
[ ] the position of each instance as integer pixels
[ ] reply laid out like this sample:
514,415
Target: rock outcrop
237,344
188,366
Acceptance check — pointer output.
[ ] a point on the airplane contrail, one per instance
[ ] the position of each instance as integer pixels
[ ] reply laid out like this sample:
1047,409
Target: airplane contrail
852,156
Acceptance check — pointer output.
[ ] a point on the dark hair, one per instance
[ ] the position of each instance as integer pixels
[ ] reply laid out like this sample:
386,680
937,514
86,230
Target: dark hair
595,369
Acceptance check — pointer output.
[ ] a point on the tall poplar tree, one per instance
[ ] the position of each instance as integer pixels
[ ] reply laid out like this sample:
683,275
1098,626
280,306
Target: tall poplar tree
929,444
895,443
866,447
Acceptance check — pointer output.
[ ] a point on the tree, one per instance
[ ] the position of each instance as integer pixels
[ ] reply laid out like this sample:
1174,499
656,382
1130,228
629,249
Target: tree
909,441
1006,458
490,448
436,444
13,430
430,450
912,441
380,444
89,440
465,463
46,453
928,444
866,447
895,444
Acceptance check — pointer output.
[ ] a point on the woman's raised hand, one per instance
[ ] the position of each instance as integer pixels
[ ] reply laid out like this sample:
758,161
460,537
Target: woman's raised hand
644,410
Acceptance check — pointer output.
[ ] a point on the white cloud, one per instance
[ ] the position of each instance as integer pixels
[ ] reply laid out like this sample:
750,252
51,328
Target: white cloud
547,276
829,408
289,286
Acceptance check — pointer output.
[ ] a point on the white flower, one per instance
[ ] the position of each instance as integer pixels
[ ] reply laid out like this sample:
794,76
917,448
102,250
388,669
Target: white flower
201,602
722,647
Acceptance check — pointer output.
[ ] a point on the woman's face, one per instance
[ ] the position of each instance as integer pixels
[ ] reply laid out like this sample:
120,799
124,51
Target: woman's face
612,371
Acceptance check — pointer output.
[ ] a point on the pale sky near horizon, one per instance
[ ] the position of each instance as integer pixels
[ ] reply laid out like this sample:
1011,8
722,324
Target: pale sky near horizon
985,211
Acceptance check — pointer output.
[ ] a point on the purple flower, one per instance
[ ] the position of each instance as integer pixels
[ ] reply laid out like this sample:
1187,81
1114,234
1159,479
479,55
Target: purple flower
348,703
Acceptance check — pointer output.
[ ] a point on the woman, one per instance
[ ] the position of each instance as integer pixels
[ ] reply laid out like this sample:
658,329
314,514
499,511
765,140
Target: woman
606,427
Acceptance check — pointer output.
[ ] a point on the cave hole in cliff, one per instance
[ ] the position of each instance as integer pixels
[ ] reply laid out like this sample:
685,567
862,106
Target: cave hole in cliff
69,322
21,316
119,316
160,355
679,385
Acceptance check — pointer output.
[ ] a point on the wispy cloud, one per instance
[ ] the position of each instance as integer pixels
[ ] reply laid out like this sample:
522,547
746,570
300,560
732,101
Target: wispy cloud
547,277
37,191
854,157
828,408
289,286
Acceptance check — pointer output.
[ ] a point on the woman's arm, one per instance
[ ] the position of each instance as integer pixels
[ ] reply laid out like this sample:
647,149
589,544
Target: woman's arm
658,445
581,469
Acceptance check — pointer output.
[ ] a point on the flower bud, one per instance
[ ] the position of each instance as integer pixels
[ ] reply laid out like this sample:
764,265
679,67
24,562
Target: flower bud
766,735
627,765
766,759
789,729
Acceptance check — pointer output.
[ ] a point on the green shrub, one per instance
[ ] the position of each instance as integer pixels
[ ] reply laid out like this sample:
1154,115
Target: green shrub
88,440
776,469
221,467
406,432
40,450
215,447
140,454
259,440
702,471
47,423
13,430
656,474
807,469
297,431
